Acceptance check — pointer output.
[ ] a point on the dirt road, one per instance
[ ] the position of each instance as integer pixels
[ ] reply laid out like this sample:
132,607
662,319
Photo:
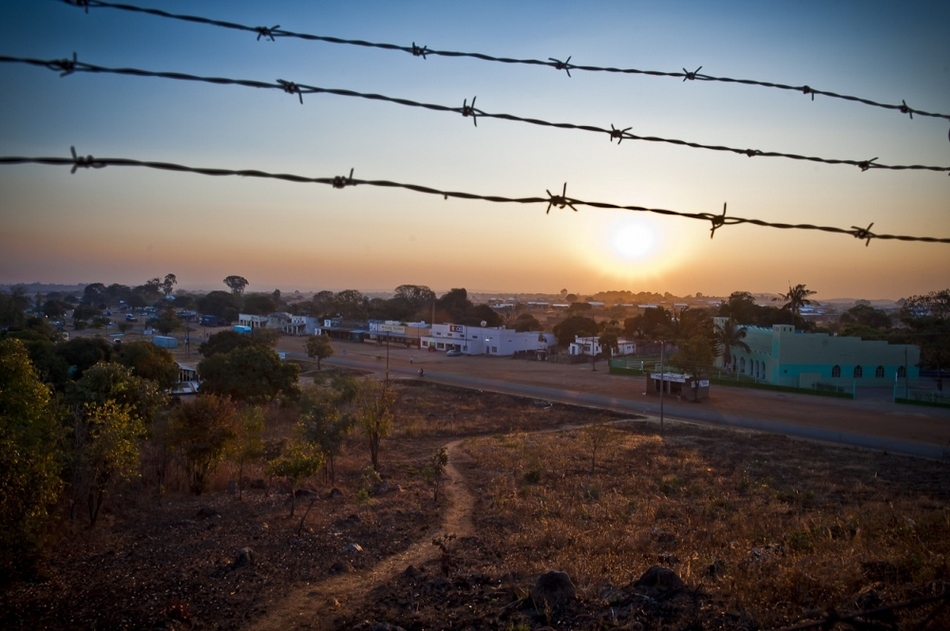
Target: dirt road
866,421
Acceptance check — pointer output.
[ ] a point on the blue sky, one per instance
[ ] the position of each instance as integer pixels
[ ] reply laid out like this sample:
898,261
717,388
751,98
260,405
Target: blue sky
124,225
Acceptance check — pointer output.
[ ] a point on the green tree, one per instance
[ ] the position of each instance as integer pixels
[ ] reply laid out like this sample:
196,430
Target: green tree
203,430
319,347
374,414
686,324
609,342
236,284
253,374
31,453
434,471
694,356
94,294
453,305
796,298
526,322
350,304
168,285
248,444
225,342
864,321
106,449
259,304
109,381
168,321
266,338
928,319
82,353
221,304
150,292
573,326
298,462
323,425
86,312
149,361
727,336
652,324
54,309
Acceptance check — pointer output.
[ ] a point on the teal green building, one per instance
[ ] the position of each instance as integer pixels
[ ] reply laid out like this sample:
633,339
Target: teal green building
785,357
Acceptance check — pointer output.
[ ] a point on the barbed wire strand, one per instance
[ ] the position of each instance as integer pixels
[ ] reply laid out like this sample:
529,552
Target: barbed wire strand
553,201
273,32
69,66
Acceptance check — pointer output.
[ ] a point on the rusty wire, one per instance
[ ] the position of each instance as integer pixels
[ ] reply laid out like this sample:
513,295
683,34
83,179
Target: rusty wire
69,66
273,32
552,200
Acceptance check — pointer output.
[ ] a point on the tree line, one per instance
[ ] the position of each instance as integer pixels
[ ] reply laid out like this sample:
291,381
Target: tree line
83,418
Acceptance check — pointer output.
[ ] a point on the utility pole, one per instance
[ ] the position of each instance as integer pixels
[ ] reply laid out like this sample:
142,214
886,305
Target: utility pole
387,357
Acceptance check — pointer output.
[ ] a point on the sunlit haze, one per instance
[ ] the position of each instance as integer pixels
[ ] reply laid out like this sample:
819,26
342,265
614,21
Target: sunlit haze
126,225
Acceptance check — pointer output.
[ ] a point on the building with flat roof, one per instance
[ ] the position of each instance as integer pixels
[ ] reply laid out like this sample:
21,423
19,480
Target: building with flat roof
477,340
782,356
591,346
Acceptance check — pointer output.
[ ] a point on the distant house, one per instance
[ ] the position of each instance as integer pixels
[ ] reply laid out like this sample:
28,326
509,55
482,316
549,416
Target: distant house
782,356
287,323
396,332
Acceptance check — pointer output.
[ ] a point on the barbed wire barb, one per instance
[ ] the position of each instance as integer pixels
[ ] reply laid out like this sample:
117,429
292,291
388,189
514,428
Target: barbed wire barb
691,75
66,65
717,221
342,182
617,133
562,65
560,201
469,110
266,31
864,233
291,88
864,165
84,162
419,51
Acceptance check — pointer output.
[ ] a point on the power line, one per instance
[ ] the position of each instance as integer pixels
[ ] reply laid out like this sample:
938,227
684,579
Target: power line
273,32
69,66
561,201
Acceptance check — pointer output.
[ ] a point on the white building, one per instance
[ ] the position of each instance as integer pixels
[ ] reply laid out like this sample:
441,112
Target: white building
408,333
286,322
590,345
477,340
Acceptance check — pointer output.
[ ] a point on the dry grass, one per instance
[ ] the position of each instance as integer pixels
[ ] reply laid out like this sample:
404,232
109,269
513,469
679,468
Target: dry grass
768,526
769,529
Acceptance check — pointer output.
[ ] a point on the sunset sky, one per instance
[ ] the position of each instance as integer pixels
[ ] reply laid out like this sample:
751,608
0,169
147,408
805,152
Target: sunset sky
126,225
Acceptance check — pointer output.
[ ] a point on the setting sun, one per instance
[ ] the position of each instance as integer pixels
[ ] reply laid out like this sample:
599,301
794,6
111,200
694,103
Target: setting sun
635,240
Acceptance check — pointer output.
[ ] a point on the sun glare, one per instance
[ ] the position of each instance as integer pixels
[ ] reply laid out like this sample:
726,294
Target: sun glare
634,241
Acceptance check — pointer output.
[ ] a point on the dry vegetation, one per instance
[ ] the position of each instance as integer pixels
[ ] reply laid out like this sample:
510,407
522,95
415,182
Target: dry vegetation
765,531
770,528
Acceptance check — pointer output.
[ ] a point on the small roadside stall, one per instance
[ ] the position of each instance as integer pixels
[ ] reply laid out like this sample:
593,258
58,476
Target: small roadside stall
679,385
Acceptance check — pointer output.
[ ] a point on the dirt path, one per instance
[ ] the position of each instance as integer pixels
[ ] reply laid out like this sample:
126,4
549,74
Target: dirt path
316,606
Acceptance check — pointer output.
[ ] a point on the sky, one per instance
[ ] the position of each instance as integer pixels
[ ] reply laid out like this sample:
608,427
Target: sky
127,225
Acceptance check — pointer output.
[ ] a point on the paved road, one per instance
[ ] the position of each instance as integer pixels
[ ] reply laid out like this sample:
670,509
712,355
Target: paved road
872,422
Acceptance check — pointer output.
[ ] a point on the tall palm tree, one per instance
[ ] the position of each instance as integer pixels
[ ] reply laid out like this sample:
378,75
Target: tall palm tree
729,335
796,298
